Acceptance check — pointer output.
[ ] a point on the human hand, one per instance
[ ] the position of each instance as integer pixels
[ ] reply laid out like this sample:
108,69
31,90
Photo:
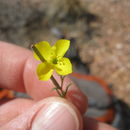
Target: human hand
43,111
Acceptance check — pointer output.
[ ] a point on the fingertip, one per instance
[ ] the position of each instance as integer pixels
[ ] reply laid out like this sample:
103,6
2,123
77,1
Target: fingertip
12,61
51,113
57,114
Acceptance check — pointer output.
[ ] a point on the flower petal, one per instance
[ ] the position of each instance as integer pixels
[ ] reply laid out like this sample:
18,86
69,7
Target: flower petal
64,67
44,71
45,50
62,46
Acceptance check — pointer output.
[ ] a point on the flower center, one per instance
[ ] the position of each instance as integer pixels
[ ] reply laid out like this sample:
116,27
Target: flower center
55,60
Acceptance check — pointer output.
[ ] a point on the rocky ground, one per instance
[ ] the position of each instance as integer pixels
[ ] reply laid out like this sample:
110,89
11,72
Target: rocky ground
99,29
111,50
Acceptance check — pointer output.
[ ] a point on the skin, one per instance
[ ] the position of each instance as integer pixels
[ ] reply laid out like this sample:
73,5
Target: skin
17,72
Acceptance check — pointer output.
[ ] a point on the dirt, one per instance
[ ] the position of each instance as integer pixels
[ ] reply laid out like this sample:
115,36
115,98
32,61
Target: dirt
110,52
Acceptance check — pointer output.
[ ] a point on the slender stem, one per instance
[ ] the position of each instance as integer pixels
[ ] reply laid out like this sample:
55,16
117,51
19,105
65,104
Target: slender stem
62,80
38,53
55,82
58,92
67,89
58,87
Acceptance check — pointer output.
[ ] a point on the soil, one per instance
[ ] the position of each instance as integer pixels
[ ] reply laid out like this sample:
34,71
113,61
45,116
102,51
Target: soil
110,52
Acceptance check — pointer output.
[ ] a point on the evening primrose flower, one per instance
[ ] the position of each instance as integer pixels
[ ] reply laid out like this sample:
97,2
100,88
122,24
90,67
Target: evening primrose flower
52,59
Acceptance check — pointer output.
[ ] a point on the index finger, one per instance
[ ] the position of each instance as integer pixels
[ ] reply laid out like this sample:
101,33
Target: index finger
18,72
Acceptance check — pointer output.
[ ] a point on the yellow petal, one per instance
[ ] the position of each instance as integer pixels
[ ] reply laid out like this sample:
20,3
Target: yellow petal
63,67
62,46
44,71
45,50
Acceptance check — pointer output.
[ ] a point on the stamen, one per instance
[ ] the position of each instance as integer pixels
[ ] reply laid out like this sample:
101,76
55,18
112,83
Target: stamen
55,61
60,63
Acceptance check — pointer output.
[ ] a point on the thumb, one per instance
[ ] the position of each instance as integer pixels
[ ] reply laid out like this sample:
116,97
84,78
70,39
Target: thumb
49,114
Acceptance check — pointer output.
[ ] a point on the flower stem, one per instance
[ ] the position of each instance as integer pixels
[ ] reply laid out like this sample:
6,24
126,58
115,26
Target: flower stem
62,80
55,82
38,53
58,87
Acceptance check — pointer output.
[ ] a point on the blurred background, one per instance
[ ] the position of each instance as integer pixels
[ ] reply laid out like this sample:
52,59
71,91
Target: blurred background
99,31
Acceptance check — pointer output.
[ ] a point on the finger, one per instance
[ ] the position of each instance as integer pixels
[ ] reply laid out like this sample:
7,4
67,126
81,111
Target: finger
51,113
91,124
12,62
12,109
18,72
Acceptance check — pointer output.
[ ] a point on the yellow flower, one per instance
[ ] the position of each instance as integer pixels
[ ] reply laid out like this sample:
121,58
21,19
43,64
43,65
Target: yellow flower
52,59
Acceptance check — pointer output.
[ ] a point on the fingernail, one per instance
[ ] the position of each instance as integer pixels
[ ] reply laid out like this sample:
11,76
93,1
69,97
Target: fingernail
56,116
